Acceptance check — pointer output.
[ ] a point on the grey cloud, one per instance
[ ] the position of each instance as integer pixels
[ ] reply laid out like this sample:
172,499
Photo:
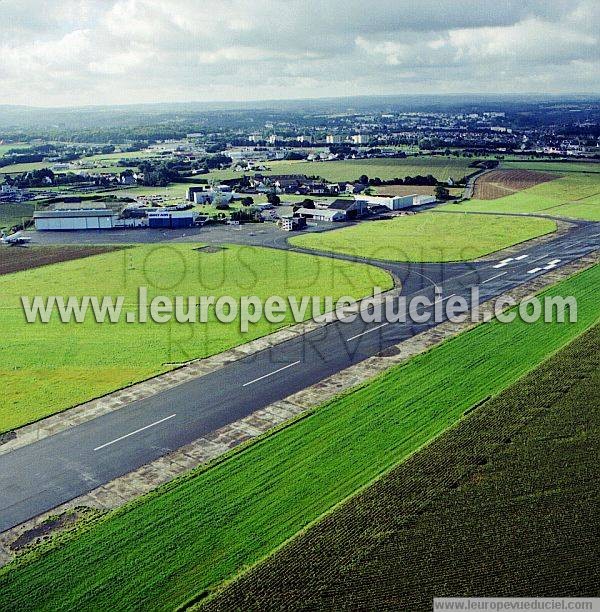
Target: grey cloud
99,51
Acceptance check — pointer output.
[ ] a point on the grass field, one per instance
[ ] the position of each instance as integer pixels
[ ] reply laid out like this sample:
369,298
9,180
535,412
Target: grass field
48,367
432,236
24,167
442,168
515,484
13,214
196,532
551,166
573,195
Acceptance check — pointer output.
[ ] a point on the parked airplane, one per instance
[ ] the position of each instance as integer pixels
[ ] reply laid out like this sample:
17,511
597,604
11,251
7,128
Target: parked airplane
14,239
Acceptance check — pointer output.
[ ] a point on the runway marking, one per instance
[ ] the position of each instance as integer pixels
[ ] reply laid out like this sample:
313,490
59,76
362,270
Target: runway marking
503,263
134,432
289,365
367,332
533,271
493,277
520,257
552,264
444,299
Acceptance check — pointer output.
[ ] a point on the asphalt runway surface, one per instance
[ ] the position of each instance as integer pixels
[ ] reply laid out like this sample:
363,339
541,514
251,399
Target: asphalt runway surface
43,475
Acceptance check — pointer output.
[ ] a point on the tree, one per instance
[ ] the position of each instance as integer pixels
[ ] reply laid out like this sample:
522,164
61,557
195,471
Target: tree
307,203
364,180
274,199
247,201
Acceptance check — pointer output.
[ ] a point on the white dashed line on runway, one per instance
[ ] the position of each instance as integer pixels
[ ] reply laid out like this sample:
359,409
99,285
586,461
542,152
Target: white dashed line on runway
289,365
134,432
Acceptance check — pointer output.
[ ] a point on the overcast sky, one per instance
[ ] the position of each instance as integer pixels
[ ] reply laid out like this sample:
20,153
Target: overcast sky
79,52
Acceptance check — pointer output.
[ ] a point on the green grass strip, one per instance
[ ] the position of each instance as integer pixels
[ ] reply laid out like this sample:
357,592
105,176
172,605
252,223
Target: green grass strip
163,550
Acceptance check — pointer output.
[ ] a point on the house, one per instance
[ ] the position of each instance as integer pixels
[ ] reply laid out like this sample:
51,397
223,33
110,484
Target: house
355,187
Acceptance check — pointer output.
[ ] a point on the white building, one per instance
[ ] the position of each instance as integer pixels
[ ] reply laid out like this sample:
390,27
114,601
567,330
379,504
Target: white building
361,139
397,202
317,214
333,139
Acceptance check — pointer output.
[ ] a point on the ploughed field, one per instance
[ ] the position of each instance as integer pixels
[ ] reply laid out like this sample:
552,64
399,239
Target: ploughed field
430,236
575,194
506,503
181,542
47,367
19,258
500,183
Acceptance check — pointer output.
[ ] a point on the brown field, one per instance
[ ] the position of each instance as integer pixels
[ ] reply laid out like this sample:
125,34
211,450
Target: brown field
18,258
402,190
500,183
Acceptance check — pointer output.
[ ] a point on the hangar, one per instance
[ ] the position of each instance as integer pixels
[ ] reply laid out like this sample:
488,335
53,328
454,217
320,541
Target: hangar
74,219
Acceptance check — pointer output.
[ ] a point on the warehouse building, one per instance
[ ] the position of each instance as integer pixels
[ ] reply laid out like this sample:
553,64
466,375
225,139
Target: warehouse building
317,214
397,202
171,218
351,208
78,219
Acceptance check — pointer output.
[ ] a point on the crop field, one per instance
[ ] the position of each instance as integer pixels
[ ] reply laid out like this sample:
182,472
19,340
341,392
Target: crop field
430,236
17,259
552,166
181,542
504,504
14,213
442,168
500,183
574,195
58,365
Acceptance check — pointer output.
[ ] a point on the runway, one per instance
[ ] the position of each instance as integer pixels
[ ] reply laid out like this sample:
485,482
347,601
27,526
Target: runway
43,475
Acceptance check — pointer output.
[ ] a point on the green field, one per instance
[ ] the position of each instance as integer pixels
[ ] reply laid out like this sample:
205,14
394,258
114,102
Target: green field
573,195
551,166
196,532
24,167
520,467
442,168
431,236
48,367
13,214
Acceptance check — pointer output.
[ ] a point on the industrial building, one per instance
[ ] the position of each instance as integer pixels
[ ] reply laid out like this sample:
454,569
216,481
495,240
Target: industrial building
174,219
351,208
329,214
397,202
289,224
78,219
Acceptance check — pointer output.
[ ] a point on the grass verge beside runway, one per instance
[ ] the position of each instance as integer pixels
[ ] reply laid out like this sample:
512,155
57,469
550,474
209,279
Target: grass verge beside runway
431,236
516,485
46,368
575,195
188,537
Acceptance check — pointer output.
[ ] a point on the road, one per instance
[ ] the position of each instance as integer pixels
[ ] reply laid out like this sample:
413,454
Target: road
41,476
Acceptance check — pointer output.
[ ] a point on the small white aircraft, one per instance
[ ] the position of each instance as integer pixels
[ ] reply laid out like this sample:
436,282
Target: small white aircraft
14,239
